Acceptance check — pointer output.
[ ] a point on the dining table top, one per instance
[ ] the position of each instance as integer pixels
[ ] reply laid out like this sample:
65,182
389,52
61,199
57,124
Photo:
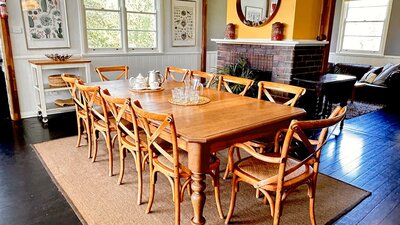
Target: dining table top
226,114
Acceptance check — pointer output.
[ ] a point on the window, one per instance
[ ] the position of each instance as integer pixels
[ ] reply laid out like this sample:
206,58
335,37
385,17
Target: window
364,26
134,26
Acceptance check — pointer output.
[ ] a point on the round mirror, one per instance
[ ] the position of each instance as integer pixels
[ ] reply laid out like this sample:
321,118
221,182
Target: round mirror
256,13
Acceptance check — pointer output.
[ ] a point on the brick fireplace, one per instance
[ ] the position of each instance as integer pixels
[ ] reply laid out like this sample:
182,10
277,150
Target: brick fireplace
284,59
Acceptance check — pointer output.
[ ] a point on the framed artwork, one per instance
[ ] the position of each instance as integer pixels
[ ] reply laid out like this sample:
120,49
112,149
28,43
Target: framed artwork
183,23
46,25
253,13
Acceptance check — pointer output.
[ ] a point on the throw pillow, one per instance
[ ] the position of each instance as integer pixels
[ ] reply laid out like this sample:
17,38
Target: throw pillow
371,77
380,79
376,70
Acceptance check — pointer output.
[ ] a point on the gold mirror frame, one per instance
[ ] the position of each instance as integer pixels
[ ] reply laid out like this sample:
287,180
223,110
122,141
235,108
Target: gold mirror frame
252,23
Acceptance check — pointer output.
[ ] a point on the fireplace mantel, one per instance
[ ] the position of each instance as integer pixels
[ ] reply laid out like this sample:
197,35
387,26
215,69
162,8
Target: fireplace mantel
252,41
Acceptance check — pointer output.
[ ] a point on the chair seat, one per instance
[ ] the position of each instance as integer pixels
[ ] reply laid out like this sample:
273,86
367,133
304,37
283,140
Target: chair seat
102,125
183,159
128,140
259,170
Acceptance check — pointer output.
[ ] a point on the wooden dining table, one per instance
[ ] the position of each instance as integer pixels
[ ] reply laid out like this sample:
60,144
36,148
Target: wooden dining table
211,127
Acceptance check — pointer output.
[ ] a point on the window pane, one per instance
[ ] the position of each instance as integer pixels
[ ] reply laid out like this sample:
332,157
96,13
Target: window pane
140,5
141,22
102,20
366,3
138,39
101,4
364,28
104,39
367,14
361,43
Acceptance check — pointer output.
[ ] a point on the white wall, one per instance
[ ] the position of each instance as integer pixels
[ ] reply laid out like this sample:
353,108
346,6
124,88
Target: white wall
186,57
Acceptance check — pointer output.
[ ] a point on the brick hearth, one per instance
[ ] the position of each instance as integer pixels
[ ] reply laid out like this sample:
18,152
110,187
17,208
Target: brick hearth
285,62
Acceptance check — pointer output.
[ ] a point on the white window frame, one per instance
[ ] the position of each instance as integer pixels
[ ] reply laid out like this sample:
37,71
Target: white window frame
343,17
124,32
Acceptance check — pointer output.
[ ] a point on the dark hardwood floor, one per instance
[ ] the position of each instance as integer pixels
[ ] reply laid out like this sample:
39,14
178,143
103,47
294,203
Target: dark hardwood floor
365,154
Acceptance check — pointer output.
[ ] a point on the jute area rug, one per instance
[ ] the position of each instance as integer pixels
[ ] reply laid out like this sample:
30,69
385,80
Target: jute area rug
98,199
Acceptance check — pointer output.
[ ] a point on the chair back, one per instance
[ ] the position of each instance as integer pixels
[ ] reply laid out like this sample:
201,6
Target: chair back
93,102
120,108
70,80
119,72
297,130
156,125
225,80
175,72
209,77
266,86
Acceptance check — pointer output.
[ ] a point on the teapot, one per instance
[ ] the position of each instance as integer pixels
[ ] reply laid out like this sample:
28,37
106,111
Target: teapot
155,79
139,82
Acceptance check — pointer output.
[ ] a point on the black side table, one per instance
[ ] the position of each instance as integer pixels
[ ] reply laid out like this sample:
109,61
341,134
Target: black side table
324,91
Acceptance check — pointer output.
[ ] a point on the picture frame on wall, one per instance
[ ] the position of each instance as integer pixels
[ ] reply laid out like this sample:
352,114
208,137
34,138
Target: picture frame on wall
253,13
46,24
183,23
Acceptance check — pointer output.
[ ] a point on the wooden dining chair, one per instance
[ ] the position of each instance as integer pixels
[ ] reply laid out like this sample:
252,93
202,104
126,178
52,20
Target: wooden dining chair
286,95
289,93
176,74
129,136
225,80
209,77
81,109
106,72
171,162
101,121
278,172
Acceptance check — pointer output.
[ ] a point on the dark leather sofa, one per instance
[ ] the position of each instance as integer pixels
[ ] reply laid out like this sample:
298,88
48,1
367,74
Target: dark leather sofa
384,94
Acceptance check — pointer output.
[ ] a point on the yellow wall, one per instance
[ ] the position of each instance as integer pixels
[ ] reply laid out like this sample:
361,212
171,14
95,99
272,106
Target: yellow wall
307,19
301,19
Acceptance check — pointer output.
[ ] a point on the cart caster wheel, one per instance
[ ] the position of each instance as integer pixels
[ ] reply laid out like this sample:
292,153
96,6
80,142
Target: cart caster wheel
45,120
39,113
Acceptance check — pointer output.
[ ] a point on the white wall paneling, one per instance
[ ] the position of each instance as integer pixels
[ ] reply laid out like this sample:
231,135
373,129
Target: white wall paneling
186,57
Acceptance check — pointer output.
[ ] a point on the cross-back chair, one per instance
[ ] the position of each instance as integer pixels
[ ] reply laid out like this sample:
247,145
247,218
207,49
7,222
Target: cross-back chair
225,80
129,136
265,87
100,120
209,77
118,71
82,112
292,94
278,172
171,162
173,72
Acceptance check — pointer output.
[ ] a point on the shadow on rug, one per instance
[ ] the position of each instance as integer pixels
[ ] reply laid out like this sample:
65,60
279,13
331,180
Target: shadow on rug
360,108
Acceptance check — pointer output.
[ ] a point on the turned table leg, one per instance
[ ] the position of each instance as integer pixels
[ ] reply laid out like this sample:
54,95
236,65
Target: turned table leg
198,198
199,157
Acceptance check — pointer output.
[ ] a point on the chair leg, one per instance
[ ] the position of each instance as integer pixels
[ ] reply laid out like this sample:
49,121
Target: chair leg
140,176
217,194
278,208
110,154
89,138
95,146
121,164
78,120
177,201
311,191
235,189
152,187
227,167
